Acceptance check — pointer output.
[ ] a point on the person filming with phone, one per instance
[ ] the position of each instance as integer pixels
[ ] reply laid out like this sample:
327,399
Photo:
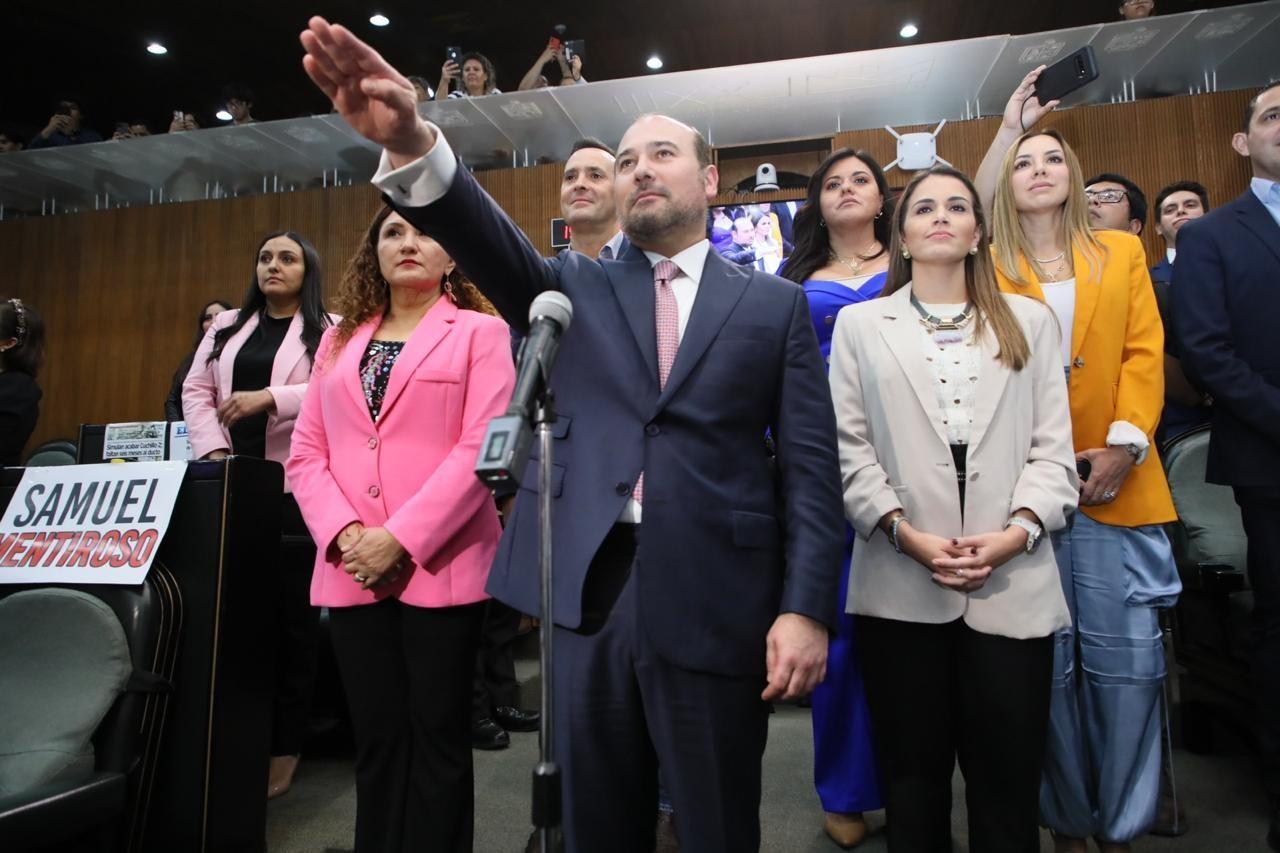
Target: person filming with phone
473,72
65,127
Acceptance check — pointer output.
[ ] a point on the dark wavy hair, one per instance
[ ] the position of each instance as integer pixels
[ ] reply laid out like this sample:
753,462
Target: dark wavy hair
314,318
28,355
224,304
364,293
812,244
490,73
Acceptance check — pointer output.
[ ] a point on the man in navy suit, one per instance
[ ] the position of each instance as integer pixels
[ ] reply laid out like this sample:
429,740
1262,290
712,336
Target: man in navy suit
1226,298
696,575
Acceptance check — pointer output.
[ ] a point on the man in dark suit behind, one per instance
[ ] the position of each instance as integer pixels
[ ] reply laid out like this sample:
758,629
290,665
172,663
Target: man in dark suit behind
1226,298
681,593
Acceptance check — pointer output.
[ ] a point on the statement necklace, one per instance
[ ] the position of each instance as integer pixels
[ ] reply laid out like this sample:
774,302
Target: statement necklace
1053,274
855,266
943,330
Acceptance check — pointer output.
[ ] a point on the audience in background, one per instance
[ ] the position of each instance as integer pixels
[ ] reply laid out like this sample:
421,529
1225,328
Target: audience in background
383,459
21,353
587,201
1132,10
422,89
570,70
8,143
1115,202
1225,303
65,127
183,121
1185,406
1102,767
239,103
475,76
173,403
246,385
841,258
130,130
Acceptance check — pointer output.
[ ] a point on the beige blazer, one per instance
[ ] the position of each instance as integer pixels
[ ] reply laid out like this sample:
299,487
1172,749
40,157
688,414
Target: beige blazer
894,453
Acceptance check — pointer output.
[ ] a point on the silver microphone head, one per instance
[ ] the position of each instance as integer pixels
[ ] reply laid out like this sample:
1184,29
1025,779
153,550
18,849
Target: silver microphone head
553,305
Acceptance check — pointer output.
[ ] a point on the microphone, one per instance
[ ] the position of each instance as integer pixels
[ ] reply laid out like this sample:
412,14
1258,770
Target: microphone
504,453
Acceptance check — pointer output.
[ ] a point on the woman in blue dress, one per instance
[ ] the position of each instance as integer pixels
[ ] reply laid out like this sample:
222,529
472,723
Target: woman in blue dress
841,258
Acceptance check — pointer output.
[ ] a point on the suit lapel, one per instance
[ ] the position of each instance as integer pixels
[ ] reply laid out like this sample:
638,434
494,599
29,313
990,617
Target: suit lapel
227,360
721,287
348,363
291,351
431,330
1087,292
1255,217
631,278
897,324
992,378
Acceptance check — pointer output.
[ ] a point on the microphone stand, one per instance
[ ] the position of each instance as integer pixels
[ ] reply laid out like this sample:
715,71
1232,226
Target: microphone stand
546,775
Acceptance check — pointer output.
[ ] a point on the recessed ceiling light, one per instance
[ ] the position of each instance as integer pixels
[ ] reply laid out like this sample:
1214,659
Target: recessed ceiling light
379,20
654,62
223,115
909,31
157,48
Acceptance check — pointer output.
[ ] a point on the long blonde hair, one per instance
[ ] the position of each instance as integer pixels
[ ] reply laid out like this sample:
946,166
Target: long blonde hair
979,275
1012,246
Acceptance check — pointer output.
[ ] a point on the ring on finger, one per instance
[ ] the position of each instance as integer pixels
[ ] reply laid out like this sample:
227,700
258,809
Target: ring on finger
359,578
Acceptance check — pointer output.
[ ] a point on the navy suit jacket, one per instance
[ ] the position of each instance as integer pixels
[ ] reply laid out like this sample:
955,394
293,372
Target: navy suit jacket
728,540
1226,301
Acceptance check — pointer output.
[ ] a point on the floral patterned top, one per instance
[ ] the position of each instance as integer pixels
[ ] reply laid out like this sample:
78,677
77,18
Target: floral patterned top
375,372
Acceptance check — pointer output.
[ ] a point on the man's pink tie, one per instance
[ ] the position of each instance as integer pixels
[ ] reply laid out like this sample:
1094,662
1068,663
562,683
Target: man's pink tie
667,323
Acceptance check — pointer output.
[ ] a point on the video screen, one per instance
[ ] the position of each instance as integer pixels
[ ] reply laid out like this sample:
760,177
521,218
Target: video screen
755,235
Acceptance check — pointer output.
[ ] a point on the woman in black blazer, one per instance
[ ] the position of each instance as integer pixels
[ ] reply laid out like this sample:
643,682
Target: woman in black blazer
21,351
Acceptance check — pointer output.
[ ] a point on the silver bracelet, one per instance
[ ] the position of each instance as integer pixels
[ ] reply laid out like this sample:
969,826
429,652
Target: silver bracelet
893,531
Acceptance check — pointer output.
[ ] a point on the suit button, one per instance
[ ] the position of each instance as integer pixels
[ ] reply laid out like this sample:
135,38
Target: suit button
652,429
1078,363
374,491
373,443
829,319
623,488
974,476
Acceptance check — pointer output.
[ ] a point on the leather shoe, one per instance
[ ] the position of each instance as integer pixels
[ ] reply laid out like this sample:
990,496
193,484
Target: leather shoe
486,734
280,774
516,719
846,830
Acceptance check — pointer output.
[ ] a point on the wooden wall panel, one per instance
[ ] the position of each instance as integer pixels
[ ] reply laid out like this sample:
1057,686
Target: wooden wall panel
119,289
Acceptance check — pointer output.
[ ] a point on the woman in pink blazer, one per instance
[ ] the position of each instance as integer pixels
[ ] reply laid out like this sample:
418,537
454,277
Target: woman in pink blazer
381,465
242,396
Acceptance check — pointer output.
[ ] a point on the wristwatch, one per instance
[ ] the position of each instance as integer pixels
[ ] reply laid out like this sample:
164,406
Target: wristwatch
1034,531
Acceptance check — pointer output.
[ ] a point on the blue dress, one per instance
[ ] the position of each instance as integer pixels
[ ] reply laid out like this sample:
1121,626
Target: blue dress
844,766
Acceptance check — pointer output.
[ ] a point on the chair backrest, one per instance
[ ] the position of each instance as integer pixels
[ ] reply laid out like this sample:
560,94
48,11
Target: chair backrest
1208,529
60,451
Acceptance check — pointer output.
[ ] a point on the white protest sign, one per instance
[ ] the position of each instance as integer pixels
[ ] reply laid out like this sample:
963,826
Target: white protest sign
87,523
142,441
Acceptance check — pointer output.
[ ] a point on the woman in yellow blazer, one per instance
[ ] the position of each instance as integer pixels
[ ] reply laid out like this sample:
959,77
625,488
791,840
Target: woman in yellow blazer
955,453
1102,766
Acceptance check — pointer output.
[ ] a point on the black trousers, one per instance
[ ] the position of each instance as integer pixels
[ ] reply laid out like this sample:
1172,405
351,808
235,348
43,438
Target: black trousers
620,709
407,675
938,692
495,678
1260,512
298,633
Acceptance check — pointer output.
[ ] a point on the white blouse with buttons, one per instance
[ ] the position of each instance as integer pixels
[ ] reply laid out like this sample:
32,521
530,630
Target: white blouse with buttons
955,373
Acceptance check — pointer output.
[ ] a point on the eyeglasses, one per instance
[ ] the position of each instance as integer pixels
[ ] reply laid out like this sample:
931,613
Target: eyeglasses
1106,196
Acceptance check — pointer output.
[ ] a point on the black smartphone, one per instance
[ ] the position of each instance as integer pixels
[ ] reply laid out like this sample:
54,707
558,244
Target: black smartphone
575,47
1084,468
452,53
1066,75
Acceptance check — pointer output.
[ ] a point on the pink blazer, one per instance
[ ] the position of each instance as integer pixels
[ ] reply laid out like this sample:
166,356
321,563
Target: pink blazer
411,471
207,385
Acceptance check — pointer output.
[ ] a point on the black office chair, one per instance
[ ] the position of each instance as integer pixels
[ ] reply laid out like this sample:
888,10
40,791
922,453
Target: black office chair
105,811
60,451
1211,619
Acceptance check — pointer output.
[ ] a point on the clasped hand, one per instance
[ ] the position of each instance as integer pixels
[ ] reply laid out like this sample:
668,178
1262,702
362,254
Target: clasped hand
963,563
371,555
243,404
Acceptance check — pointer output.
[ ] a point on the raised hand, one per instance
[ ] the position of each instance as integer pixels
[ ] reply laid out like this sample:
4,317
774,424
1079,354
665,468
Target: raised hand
1024,109
374,98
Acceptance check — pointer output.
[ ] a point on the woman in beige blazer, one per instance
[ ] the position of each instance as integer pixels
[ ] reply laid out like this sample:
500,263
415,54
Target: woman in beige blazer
956,456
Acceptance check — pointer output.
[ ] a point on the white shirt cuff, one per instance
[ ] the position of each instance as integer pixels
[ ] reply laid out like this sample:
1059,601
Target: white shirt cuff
1123,434
421,182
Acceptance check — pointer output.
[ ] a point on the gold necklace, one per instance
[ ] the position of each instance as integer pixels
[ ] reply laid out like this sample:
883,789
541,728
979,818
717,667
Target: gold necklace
855,267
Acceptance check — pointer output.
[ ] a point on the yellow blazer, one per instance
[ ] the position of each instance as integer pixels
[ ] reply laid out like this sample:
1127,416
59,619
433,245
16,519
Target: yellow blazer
1117,368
